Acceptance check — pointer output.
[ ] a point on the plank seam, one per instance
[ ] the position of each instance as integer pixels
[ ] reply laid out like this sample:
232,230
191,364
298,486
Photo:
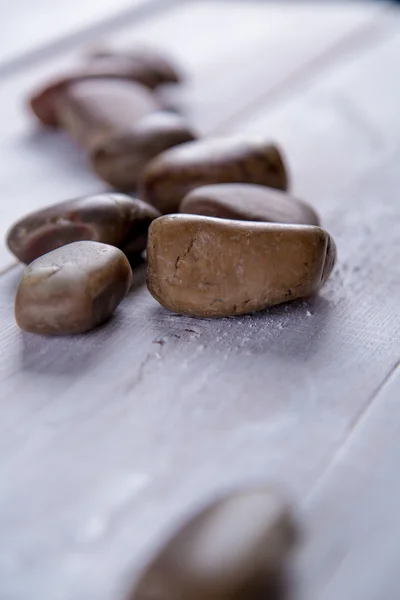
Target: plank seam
354,425
67,42
8,268
353,42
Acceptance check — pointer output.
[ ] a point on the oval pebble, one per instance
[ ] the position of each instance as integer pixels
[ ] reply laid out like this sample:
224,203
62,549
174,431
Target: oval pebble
248,202
93,109
114,219
121,158
72,289
208,267
177,171
234,545
147,67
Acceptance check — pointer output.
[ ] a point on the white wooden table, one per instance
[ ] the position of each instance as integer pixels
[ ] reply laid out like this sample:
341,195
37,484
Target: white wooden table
107,439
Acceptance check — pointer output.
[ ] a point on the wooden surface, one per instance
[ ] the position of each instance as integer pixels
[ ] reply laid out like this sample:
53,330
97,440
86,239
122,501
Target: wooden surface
107,439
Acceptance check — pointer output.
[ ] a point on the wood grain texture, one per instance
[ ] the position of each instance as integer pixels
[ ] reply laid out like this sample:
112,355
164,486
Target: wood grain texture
223,76
98,473
107,439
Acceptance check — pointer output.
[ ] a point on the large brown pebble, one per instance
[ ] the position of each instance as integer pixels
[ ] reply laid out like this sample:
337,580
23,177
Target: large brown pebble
173,174
72,289
94,109
248,202
209,267
121,158
113,219
146,67
234,546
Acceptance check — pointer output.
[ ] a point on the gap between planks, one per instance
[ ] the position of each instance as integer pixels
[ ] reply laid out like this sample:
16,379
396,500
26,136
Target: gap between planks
351,511
367,36
9,268
354,425
353,42
27,59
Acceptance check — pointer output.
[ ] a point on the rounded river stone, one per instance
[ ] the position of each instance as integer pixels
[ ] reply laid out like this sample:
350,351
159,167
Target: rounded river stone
208,267
175,172
234,546
72,289
114,219
121,158
146,67
93,109
248,202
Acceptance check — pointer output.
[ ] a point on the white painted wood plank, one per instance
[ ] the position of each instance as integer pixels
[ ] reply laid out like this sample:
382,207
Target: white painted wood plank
335,128
30,25
44,167
353,546
106,438
252,48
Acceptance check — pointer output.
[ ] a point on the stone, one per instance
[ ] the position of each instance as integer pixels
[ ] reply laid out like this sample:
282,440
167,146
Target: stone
72,289
91,110
177,171
248,202
147,67
232,547
208,267
121,158
114,219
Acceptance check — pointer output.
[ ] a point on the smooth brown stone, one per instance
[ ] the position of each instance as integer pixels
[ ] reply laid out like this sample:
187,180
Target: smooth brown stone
233,547
72,289
121,158
248,202
207,267
113,219
94,109
173,174
146,67
149,67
